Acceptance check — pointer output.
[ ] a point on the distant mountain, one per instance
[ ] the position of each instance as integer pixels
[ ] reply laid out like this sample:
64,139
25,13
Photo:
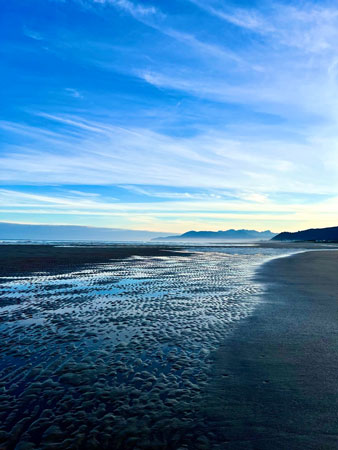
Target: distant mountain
70,232
222,235
313,234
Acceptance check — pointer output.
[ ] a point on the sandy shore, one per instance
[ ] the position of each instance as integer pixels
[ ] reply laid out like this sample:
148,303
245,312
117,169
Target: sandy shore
18,259
25,259
276,380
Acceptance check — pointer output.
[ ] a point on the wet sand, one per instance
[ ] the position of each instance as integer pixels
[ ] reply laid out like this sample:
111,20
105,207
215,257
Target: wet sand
276,379
126,354
115,355
24,259
20,259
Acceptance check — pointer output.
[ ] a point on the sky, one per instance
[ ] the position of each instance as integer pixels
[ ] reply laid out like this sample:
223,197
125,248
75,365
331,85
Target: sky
169,115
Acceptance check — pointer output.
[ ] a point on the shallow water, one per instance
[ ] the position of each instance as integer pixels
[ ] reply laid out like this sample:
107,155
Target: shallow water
118,355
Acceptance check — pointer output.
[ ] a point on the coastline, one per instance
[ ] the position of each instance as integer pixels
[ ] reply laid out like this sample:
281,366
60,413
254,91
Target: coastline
275,382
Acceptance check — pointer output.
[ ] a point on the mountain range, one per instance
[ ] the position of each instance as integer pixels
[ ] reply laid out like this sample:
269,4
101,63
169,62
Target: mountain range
312,234
222,235
19,231
16,231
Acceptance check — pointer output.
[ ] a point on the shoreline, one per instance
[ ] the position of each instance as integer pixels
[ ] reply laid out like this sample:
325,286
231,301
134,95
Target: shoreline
275,380
25,259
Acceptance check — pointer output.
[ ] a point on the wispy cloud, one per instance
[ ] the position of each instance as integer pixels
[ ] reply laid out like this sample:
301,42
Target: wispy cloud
244,18
195,214
115,155
135,9
172,195
199,110
73,93
276,79
156,19
32,34
307,25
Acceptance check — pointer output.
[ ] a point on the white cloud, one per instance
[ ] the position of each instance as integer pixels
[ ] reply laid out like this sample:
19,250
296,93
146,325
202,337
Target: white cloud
259,212
83,194
137,10
282,66
154,18
73,93
133,8
85,151
308,26
246,18
32,34
171,195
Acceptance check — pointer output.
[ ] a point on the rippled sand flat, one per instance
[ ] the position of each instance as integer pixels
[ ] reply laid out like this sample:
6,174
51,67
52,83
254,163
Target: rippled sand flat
117,355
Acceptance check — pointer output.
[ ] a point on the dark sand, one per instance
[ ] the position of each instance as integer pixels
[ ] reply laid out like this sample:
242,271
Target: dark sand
276,379
24,259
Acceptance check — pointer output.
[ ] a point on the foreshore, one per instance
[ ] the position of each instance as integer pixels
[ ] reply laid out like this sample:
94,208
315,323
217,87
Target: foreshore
275,382
28,258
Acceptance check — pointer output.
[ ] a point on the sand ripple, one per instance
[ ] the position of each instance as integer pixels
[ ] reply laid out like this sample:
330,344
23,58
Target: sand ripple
116,355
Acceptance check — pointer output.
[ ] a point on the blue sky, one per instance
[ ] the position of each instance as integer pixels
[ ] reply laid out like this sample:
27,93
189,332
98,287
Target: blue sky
169,115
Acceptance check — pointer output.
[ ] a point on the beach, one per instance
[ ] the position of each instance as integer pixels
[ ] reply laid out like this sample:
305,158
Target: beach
109,346
62,258
158,347
276,378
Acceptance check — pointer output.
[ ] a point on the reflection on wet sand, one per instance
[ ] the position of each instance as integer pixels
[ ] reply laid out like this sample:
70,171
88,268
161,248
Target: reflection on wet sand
118,354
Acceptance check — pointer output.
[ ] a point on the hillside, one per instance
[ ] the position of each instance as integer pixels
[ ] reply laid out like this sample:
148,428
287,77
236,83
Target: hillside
313,234
221,235
72,232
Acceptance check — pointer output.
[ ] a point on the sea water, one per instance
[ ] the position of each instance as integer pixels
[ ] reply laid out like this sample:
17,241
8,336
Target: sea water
118,355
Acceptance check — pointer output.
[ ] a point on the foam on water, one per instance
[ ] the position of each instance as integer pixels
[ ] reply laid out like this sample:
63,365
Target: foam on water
118,355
